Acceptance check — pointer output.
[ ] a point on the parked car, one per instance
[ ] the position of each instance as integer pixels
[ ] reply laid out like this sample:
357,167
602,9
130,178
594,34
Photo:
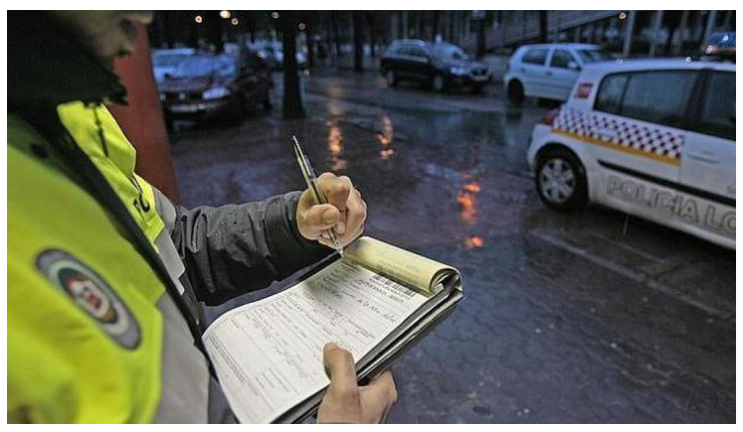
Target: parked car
206,86
720,46
164,61
652,138
548,71
439,65
273,53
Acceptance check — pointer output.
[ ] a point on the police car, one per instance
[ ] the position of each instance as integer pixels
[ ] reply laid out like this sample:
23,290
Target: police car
654,138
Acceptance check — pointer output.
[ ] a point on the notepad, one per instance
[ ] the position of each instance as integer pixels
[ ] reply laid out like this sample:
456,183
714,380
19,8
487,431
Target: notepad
375,302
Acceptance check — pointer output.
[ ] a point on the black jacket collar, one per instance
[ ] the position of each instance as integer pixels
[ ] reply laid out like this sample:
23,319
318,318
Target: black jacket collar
48,67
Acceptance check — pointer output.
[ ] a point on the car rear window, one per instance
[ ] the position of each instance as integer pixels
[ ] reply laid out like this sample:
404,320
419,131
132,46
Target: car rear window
415,52
535,56
717,116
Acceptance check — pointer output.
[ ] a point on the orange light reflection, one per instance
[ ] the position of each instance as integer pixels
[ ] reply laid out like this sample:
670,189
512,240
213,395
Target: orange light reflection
385,138
335,147
473,242
468,202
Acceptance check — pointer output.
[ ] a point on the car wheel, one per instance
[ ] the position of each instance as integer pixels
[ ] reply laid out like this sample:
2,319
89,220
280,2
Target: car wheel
391,78
561,180
515,91
439,83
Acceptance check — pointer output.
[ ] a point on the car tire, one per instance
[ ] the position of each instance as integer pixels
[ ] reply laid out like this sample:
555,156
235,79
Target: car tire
561,180
438,83
515,91
391,78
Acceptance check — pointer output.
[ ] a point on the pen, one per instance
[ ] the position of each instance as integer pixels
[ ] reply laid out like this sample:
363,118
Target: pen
311,180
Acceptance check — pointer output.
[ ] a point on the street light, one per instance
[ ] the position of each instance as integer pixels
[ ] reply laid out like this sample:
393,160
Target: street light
302,26
275,15
225,14
622,16
235,21
199,19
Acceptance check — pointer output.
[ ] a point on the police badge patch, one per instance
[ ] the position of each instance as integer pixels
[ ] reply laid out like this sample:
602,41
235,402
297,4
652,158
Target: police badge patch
92,294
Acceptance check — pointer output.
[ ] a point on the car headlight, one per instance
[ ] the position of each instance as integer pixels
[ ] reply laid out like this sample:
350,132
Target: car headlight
458,70
216,93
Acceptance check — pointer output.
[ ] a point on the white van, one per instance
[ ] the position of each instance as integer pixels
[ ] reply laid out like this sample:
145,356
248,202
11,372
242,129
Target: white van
653,138
548,71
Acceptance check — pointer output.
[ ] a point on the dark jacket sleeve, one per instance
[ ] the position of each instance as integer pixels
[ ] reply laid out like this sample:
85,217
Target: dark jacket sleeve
234,249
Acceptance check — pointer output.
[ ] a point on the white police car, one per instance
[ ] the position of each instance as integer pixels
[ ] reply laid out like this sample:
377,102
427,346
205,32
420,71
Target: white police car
654,138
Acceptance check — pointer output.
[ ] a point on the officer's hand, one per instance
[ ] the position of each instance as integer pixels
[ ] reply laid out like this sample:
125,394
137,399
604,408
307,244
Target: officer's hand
345,401
345,212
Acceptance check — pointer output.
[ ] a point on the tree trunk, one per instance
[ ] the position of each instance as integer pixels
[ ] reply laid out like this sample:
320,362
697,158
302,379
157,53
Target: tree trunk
480,38
372,34
310,40
292,106
336,37
214,27
358,43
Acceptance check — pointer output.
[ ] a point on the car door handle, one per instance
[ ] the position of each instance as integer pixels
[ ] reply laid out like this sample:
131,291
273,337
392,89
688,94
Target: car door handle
548,73
704,157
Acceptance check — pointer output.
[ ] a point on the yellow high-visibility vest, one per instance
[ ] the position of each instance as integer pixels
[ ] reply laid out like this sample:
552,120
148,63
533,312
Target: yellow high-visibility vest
85,335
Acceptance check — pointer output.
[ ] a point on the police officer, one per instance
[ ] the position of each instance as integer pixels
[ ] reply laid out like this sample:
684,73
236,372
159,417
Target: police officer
106,275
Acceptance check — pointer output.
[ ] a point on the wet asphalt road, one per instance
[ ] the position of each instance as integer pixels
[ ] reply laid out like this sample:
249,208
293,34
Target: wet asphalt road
589,317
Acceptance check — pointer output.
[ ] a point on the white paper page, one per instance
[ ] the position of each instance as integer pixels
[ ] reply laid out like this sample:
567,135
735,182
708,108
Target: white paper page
268,355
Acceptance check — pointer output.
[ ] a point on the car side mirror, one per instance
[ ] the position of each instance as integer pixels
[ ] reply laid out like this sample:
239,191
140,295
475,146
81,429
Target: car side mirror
573,65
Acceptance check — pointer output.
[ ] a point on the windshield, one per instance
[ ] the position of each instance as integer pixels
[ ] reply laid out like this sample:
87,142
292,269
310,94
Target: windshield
449,52
205,66
595,55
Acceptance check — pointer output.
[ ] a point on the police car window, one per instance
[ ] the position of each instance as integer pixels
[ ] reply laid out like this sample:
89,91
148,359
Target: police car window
535,56
609,97
718,108
658,96
561,58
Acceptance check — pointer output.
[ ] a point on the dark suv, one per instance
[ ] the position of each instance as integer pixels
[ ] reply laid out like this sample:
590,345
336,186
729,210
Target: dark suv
439,65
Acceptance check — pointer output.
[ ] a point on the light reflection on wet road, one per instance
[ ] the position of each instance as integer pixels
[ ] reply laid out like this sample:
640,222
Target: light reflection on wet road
566,318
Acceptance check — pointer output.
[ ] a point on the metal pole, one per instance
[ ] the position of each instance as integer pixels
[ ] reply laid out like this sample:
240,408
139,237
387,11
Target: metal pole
629,28
656,31
711,18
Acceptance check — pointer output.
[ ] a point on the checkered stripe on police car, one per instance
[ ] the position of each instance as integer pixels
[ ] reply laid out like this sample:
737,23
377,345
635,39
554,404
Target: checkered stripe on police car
620,133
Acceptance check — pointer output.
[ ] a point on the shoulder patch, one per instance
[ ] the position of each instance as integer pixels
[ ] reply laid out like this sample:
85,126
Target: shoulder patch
92,294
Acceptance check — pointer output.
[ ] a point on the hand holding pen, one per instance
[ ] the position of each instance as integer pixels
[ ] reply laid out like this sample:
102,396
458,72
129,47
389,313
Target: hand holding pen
330,207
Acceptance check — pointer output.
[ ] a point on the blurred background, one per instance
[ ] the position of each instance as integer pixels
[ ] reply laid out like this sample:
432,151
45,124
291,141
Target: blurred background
604,314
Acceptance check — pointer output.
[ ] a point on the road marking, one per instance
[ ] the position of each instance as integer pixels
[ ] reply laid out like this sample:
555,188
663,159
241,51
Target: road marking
634,275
